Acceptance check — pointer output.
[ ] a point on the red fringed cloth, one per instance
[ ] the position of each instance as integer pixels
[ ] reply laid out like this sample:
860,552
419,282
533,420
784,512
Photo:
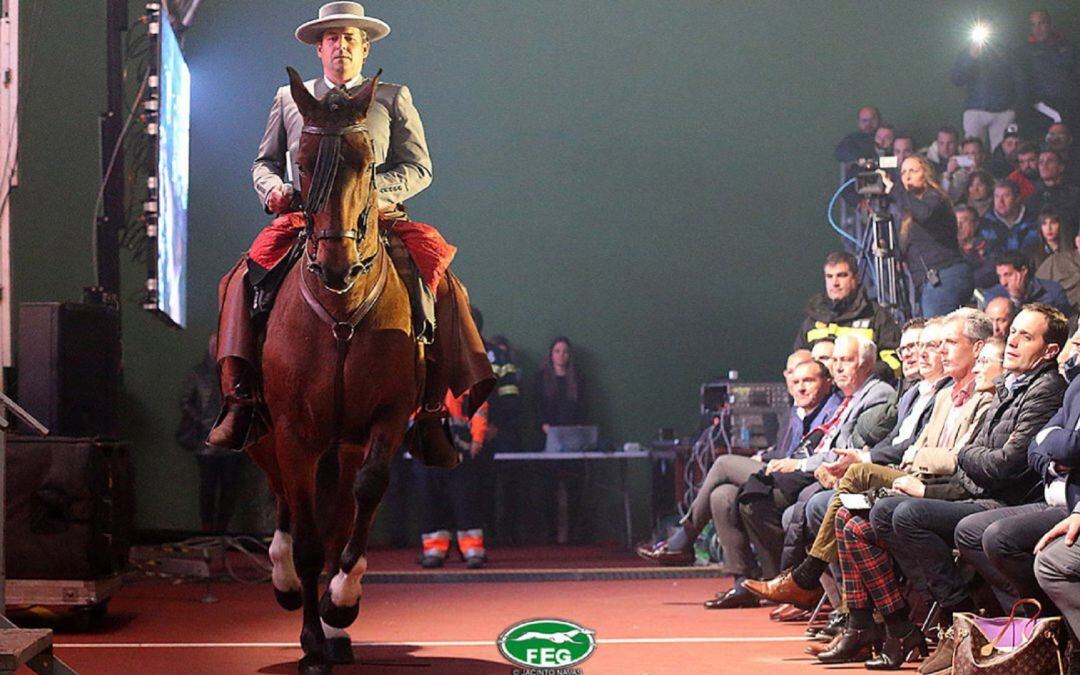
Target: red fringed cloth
431,253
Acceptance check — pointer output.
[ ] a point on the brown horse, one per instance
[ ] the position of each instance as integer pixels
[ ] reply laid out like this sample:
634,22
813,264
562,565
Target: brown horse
342,373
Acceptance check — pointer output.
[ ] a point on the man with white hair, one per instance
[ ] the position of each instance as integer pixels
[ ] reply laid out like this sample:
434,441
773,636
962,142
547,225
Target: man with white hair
859,421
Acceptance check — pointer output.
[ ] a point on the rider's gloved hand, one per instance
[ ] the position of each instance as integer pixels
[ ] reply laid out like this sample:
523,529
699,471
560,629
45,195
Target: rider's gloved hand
280,199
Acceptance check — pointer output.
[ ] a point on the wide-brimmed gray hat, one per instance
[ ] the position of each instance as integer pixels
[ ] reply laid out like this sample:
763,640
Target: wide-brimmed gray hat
341,15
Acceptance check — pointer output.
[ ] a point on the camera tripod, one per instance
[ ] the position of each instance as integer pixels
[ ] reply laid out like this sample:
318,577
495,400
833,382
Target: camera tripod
881,253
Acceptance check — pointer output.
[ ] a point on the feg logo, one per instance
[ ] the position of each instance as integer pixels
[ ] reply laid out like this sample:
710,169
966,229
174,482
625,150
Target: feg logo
547,643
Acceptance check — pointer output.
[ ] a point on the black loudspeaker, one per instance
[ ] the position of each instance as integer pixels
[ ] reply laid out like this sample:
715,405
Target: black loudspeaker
69,508
69,367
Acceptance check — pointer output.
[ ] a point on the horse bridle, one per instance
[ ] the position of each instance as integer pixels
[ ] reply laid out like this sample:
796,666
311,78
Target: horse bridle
323,176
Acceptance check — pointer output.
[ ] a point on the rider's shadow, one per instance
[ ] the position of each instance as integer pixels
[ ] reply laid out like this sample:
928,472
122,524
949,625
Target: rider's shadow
396,659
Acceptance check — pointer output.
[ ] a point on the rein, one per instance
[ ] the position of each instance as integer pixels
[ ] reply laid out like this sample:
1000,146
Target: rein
322,183
323,176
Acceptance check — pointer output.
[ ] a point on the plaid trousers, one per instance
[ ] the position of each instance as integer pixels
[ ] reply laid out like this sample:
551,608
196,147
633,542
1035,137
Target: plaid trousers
867,569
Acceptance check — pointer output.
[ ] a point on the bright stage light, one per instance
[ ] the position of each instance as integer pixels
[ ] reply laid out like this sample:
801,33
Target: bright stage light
980,34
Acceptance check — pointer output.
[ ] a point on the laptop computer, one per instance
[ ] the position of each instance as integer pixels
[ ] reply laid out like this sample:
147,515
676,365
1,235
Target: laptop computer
572,438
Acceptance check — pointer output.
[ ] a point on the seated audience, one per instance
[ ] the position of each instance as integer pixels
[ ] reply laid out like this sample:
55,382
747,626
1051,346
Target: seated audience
1001,311
922,374
944,148
1000,543
883,139
1063,266
822,349
1003,160
1009,226
845,308
1017,281
1057,567
975,246
865,416
1052,190
815,402
1027,170
958,170
927,236
903,146
989,75
979,192
860,144
949,347
1060,139
1051,237
993,471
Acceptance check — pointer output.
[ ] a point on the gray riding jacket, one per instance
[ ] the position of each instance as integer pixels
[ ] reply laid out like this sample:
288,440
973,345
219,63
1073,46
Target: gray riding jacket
403,167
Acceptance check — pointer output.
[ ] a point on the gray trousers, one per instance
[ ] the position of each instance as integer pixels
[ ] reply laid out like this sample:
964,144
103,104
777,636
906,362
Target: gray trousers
716,500
999,543
1057,567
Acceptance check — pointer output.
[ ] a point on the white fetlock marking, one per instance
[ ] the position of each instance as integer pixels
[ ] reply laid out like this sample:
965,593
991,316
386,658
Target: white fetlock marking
345,588
284,575
330,632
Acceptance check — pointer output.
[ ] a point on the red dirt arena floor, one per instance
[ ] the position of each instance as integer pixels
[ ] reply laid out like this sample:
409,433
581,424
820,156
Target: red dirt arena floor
654,626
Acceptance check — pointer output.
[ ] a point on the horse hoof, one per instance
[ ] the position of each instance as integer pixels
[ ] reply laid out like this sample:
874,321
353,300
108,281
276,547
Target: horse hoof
337,617
314,665
338,651
290,601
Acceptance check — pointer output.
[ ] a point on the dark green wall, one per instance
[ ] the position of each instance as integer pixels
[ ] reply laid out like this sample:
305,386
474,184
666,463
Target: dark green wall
649,179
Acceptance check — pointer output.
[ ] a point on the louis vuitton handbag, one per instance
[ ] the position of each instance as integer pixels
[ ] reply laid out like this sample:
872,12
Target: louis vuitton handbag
1008,646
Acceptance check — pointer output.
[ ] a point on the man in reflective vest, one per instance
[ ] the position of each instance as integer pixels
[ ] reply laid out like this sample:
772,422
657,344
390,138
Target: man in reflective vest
845,309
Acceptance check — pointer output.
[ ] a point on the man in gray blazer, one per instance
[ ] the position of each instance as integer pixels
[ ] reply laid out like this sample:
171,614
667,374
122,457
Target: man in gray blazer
342,37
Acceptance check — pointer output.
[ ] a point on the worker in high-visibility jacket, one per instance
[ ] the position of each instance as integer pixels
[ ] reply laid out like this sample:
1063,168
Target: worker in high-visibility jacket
844,309
454,498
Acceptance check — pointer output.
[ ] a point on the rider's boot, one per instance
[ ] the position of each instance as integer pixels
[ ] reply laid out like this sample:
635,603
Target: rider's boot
232,427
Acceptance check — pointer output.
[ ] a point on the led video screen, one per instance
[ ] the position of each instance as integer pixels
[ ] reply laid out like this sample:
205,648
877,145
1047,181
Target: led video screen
174,123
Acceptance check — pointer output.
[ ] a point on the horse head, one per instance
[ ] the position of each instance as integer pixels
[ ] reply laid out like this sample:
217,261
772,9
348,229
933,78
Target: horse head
337,181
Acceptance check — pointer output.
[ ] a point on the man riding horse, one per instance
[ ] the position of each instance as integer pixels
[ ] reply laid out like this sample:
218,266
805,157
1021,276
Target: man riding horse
455,356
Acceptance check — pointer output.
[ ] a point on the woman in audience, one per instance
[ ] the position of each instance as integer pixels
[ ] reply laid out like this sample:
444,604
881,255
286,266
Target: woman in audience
928,242
979,192
560,402
560,399
1051,237
1063,266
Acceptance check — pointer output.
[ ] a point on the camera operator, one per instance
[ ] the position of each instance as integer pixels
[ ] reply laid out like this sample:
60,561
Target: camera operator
927,238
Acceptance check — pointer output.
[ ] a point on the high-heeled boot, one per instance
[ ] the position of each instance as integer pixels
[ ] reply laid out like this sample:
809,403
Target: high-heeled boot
854,645
894,652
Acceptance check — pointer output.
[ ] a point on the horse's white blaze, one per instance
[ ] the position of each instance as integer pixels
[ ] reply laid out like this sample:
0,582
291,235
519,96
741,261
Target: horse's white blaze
330,632
345,588
284,575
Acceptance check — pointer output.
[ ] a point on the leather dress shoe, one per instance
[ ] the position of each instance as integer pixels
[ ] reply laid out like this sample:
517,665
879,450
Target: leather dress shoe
940,662
736,598
660,553
784,589
854,644
793,615
815,648
833,627
775,613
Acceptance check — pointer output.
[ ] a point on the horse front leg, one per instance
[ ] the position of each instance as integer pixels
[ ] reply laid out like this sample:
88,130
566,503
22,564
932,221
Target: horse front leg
283,578
307,556
340,604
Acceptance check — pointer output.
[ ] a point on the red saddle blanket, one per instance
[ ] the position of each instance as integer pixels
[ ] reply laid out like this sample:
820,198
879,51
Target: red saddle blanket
431,253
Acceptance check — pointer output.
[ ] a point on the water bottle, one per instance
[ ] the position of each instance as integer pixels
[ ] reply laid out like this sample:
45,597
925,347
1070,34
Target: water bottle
744,434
